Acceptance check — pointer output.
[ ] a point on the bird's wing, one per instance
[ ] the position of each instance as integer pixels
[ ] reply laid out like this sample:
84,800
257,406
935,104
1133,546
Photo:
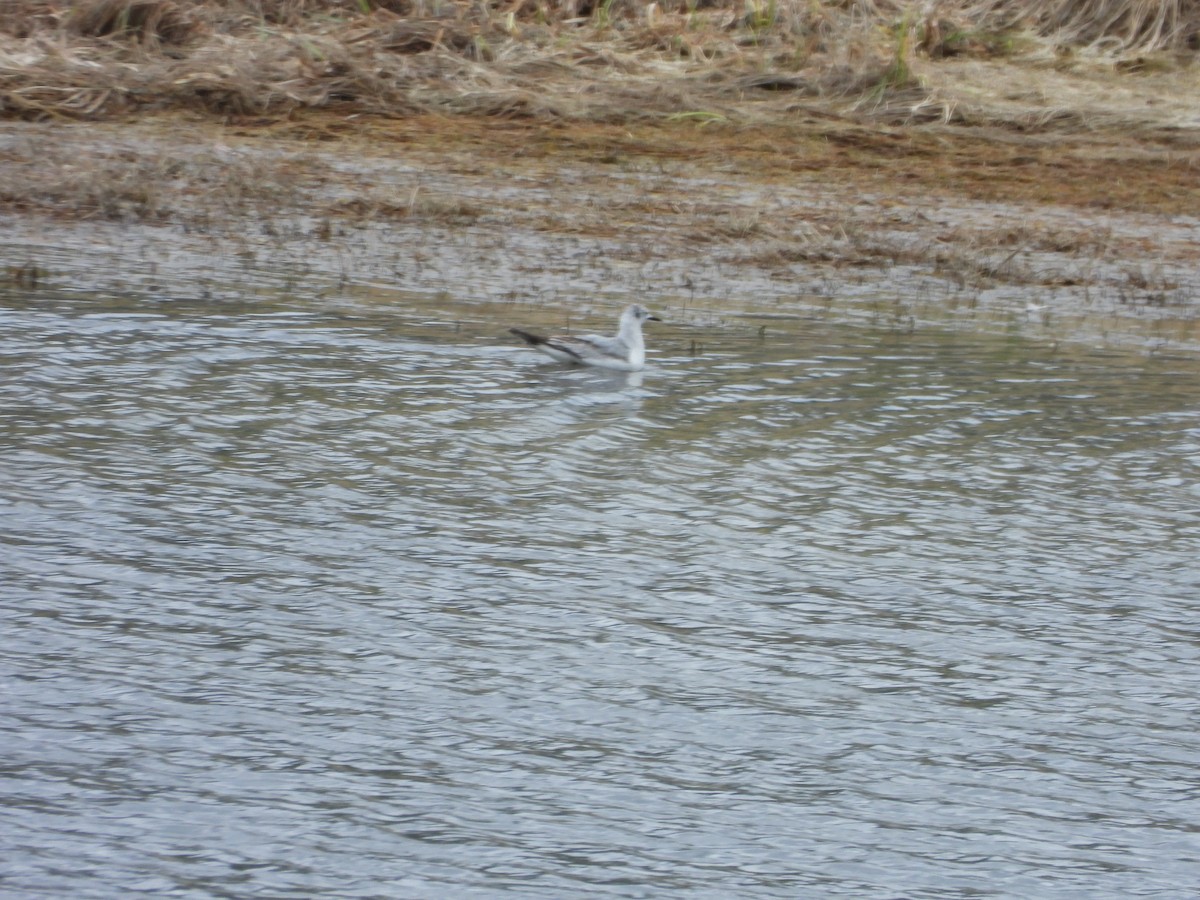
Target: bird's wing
594,346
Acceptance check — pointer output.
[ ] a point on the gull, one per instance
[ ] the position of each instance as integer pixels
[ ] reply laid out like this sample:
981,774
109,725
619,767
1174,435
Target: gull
626,352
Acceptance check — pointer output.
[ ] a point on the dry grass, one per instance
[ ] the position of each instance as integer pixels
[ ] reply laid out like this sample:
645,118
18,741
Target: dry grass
1122,28
594,60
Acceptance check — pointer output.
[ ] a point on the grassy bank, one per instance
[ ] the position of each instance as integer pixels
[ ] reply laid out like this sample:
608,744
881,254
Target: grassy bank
581,60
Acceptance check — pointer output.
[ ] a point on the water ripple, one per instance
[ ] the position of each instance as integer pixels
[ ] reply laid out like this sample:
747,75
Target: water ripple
367,604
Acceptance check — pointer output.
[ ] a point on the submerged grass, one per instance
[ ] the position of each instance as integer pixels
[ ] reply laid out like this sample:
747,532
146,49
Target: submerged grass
583,60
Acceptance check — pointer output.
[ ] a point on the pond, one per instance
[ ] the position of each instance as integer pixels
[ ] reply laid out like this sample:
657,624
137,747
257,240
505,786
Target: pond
360,599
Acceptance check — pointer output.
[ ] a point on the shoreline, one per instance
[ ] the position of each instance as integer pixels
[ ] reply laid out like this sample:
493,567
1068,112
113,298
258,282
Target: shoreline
798,207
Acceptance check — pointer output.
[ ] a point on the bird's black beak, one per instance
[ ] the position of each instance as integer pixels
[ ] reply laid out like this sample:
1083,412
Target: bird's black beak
653,319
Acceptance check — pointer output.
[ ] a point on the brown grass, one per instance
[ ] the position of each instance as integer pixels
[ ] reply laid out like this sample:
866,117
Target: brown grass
1119,27
593,60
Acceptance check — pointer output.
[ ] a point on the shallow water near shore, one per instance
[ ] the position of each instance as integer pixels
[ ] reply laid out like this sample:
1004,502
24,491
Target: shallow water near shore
309,597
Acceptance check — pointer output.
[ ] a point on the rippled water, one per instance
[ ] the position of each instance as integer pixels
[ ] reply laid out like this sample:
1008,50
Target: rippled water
368,602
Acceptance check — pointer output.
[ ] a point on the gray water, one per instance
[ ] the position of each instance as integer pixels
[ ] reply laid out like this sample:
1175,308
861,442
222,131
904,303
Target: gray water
359,600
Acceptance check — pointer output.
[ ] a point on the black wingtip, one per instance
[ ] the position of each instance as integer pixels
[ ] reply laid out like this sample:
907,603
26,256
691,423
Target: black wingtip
532,339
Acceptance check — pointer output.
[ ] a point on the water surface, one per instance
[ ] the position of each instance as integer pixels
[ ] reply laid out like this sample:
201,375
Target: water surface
361,600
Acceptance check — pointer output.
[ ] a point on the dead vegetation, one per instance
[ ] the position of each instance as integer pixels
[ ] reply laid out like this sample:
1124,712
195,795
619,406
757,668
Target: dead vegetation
882,218
551,60
1087,106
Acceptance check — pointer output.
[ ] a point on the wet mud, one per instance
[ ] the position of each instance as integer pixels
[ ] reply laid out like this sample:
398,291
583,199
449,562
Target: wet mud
1065,236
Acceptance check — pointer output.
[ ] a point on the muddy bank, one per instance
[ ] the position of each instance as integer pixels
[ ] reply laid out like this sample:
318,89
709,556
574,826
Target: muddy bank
1065,237
994,164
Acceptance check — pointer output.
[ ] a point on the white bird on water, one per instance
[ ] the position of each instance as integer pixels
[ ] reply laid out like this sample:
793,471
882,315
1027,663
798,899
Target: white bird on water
626,352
